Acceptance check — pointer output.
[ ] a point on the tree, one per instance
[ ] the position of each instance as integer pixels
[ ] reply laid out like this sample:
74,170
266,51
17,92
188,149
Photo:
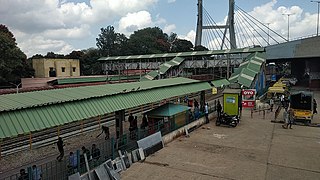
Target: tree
13,62
111,43
149,41
181,45
54,56
88,62
200,48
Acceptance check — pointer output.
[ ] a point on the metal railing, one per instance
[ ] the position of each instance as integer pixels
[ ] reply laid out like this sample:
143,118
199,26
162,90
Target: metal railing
60,170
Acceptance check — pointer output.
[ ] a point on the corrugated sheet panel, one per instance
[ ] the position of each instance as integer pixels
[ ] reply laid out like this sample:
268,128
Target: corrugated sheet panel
220,82
39,98
183,54
248,69
167,110
13,123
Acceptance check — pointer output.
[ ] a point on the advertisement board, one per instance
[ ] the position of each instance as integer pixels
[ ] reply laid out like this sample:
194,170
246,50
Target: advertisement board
248,98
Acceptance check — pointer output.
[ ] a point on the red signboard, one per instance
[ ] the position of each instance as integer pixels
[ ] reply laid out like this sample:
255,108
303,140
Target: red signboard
248,98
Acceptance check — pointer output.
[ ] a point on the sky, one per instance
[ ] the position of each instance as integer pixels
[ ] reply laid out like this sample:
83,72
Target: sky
61,26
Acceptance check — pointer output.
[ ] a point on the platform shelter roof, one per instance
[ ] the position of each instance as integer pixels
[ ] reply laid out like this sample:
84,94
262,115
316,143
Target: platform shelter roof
183,54
34,111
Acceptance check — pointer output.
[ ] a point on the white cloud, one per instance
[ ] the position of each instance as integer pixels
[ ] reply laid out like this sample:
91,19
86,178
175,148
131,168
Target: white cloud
40,45
191,36
171,1
68,33
169,28
134,21
57,21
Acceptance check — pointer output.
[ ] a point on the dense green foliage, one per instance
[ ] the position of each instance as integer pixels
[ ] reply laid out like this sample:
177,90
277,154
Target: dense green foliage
13,62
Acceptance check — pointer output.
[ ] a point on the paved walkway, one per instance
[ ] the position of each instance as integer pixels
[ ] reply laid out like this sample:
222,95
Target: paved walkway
256,149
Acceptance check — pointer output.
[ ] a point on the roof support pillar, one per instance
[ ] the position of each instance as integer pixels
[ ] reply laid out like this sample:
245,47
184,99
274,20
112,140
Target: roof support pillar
99,120
30,141
58,131
120,117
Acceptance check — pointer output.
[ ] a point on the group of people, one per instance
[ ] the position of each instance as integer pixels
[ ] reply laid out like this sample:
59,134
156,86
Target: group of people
36,174
93,156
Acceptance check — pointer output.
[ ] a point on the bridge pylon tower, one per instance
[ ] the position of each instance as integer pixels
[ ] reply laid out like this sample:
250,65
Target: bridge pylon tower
228,26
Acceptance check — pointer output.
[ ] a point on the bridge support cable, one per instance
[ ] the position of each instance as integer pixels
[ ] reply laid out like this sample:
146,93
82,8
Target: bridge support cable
251,28
250,17
216,28
239,34
241,20
242,34
246,18
212,34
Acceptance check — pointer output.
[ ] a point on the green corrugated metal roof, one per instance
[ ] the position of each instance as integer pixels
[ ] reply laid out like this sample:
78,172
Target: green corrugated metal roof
21,121
248,69
246,77
39,98
163,68
167,110
220,82
167,65
150,76
183,54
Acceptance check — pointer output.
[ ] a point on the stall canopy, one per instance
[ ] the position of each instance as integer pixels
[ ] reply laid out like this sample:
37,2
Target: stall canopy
167,110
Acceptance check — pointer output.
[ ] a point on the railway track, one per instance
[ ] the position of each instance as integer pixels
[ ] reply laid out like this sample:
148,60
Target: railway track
49,136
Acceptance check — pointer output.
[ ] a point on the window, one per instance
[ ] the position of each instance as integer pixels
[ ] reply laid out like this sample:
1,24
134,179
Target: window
73,69
51,69
63,69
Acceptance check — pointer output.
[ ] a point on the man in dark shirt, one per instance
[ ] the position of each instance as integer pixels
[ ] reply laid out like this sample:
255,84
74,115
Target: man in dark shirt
60,148
23,175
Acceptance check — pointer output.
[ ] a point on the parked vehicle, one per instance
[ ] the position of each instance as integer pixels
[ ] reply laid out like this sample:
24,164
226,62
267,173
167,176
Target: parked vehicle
302,105
227,120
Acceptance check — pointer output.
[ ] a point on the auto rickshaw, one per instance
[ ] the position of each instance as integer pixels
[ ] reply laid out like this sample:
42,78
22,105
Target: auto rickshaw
301,103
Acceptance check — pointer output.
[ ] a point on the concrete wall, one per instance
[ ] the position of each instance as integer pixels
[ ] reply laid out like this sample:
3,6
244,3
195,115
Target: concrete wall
181,131
42,67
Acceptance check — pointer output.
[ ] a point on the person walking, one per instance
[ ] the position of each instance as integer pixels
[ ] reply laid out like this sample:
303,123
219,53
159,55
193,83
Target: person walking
271,104
219,109
290,118
206,111
60,148
105,130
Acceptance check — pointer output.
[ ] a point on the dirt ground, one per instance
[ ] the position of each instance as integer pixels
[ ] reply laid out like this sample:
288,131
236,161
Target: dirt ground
255,149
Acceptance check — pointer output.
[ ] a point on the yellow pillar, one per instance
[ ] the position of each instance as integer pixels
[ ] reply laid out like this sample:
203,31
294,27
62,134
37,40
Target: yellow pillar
30,141
99,119
81,126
